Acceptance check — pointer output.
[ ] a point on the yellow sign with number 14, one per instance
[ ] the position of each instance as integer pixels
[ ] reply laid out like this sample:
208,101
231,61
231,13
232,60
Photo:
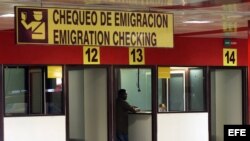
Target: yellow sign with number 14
230,57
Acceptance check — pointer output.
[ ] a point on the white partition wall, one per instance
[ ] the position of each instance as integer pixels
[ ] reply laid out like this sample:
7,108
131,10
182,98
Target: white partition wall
182,127
95,104
226,97
88,105
76,105
46,128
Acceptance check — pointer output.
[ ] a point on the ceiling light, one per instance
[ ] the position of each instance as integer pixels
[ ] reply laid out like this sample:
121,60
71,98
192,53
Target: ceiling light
7,15
197,22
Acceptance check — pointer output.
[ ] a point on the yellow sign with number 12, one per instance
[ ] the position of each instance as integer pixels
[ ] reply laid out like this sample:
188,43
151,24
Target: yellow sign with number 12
91,55
230,57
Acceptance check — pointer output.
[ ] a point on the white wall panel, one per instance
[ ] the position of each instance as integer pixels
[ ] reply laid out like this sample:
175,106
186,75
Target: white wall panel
46,128
226,95
140,127
182,127
95,104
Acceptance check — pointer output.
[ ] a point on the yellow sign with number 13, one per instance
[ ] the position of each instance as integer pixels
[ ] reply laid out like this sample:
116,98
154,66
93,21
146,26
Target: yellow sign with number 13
136,56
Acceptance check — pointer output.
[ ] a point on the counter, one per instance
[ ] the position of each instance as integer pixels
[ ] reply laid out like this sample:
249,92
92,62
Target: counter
140,126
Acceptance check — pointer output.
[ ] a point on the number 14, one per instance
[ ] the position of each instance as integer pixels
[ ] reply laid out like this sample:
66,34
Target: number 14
230,57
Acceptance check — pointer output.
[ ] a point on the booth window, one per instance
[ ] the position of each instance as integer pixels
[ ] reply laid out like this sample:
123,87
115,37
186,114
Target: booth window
183,90
137,82
28,91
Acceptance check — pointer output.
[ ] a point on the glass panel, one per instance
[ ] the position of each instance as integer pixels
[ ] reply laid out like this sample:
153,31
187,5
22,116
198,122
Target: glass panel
36,86
197,90
54,96
137,82
177,92
15,90
162,95
160,91
179,89
24,90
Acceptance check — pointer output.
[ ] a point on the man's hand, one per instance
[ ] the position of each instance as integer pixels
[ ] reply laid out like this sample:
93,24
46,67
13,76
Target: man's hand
136,109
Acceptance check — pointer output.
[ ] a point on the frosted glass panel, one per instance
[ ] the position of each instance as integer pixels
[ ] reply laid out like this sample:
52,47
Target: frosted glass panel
88,113
197,90
15,90
138,86
176,92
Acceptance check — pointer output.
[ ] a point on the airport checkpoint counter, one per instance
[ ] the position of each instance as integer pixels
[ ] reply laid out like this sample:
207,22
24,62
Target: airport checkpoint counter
170,126
140,126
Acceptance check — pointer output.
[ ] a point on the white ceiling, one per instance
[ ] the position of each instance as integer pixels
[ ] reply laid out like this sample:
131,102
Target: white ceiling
220,13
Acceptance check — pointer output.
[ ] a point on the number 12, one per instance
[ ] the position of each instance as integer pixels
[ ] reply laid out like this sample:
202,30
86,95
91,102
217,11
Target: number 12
91,55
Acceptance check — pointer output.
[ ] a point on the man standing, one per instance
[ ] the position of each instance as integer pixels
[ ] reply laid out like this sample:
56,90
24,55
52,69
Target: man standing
122,110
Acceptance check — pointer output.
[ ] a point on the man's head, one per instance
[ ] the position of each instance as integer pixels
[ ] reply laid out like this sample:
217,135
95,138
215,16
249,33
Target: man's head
122,94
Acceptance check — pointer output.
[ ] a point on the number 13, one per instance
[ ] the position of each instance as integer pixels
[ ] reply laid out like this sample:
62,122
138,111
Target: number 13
136,56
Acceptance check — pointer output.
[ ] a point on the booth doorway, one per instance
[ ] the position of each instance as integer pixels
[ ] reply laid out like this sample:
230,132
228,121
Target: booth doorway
227,95
87,104
138,84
